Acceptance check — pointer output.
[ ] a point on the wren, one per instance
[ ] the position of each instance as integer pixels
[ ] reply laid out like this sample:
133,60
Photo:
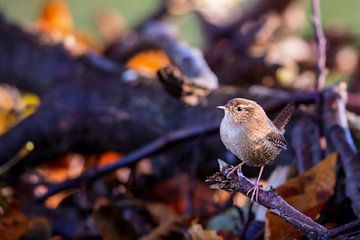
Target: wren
250,135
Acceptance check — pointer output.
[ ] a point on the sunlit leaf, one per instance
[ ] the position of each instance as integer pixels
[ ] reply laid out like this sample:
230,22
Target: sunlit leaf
308,193
148,62
56,21
14,106
197,232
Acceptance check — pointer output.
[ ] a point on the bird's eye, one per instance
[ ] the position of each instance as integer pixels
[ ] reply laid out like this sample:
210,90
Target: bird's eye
239,109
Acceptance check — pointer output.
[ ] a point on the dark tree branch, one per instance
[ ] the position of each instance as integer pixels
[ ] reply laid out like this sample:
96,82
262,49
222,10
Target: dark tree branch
93,97
338,133
30,63
307,150
198,81
344,228
146,151
268,199
189,60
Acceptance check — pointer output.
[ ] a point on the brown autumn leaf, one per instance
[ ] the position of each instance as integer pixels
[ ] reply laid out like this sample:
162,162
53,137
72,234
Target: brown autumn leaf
173,226
175,193
15,225
149,62
67,166
124,219
55,16
308,193
56,21
197,232
108,158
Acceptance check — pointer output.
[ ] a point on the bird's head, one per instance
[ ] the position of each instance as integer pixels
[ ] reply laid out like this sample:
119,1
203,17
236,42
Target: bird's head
241,110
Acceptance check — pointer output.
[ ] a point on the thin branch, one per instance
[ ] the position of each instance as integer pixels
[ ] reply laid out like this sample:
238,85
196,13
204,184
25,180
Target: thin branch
321,67
268,199
321,45
346,227
132,158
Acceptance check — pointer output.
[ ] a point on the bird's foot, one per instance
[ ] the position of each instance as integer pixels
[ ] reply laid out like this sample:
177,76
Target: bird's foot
255,192
236,168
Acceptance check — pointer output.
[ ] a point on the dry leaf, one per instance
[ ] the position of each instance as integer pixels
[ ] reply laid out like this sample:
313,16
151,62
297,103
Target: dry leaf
15,106
65,167
149,62
56,22
171,229
11,107
14,225
108,157
308,193
197,232
126,219
55,16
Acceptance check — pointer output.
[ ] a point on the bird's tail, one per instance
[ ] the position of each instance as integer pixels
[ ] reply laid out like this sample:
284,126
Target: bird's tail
284,116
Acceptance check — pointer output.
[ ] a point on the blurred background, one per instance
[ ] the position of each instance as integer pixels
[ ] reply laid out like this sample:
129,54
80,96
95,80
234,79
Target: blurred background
269,58
86,13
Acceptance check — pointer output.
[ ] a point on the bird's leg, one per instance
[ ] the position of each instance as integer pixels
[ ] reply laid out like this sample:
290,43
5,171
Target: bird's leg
255,188
238,168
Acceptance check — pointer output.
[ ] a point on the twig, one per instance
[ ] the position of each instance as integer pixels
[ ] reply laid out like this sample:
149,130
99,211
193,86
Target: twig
321,67
321,46
338,133
346,227
268,199
28,147
132,158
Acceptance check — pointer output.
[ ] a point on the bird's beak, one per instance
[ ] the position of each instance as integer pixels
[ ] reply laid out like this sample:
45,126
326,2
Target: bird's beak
221,107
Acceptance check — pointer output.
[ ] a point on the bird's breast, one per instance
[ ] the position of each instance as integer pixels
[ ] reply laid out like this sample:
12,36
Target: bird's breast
249,145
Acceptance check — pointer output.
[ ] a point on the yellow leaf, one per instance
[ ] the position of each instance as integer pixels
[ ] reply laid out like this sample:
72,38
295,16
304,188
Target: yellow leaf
308,193
11,107
31,102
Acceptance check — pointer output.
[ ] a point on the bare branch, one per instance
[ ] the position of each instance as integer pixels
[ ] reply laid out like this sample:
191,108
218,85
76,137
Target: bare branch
132,158
268,199
321,45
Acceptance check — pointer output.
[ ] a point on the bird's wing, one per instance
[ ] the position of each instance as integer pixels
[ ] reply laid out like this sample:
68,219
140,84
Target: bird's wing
277,139
283,117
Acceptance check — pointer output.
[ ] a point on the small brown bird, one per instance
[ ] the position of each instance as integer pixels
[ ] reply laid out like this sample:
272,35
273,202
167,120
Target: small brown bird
248,133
